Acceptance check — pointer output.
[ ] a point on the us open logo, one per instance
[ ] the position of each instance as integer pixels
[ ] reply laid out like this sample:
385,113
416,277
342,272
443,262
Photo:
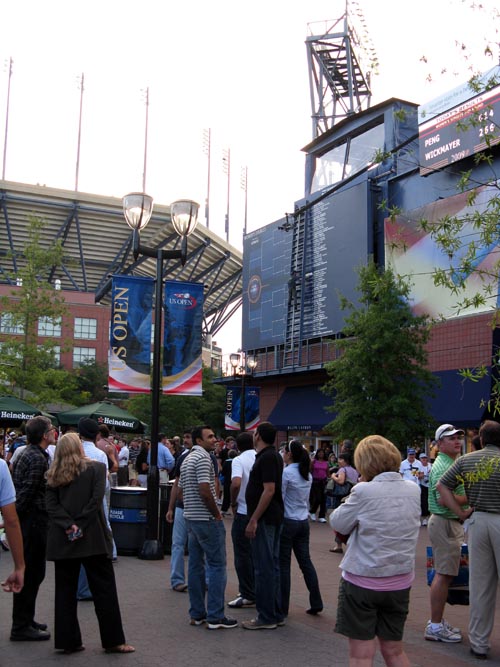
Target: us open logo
184,300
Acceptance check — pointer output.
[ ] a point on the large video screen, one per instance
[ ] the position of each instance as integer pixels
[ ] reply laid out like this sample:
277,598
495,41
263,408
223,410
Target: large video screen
412,253
334,238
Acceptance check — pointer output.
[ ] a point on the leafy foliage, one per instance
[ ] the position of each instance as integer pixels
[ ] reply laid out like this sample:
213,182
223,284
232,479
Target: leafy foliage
380,381
180,412
26,365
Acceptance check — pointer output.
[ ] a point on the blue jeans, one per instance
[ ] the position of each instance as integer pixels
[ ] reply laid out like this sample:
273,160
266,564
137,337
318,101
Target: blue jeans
207,555
243,561
179,541
266,561
295,535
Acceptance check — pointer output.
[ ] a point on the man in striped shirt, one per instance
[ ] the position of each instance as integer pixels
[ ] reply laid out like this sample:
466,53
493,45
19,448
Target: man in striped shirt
206,534
479,472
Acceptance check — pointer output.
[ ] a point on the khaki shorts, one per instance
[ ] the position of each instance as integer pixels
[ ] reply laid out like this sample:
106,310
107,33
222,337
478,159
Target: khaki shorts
132,472
446,537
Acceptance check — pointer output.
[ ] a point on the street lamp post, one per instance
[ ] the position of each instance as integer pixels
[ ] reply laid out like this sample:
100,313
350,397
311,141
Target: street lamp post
244,362
137,209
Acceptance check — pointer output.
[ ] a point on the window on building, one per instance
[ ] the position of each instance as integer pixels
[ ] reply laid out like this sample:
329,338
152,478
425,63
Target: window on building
48,326
347,158
85,327
8,326
83,354
55,352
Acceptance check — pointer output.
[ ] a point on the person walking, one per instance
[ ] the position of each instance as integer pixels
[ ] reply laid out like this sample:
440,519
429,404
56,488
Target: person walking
29,481
79,536
374,591
319,470
296,485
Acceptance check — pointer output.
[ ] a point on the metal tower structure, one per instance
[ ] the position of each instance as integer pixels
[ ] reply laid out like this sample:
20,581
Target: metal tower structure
340,58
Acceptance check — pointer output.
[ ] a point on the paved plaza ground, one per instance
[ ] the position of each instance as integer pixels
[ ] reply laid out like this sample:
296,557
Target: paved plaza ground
156,622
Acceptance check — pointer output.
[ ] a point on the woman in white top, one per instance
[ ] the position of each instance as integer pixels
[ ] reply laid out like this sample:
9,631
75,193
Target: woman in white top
296,486
378,567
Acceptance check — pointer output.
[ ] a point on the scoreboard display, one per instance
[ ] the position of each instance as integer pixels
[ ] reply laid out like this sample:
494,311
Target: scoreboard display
335,243
460,132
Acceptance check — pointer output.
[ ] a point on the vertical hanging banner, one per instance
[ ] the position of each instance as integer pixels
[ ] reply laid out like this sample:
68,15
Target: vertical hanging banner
233,408
252,408
182,367
129,357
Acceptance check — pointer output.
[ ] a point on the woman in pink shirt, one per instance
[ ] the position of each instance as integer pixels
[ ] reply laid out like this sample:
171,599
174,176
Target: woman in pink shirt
317,498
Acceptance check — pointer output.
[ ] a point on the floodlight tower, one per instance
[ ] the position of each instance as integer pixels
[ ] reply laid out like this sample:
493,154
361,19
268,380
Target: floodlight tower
341,59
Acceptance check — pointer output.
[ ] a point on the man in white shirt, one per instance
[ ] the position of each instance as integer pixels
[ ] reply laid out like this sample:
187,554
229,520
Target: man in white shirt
243,561
123,456
411,469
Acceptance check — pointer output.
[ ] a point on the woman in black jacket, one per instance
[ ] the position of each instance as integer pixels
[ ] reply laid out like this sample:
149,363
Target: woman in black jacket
78,535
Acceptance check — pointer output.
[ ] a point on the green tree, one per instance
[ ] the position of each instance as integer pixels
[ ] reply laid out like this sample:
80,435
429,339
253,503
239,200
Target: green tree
180,412
91,383
380,381
27,367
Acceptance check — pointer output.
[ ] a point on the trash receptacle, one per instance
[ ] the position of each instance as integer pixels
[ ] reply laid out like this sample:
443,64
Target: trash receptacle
128,518
165,527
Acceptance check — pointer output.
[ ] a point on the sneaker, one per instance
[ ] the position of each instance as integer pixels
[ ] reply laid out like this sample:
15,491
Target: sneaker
29,634
456,631
255,624
312,517
442,634
241,602
222,623
322,520
197,621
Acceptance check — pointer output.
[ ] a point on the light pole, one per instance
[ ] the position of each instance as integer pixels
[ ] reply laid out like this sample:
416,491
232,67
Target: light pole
242,361
137,209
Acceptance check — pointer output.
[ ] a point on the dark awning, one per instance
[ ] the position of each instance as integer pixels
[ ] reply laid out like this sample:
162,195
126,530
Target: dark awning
302,409
460,402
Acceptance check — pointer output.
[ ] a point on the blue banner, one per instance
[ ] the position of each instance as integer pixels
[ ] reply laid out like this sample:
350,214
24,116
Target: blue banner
233,408
129,358
182,367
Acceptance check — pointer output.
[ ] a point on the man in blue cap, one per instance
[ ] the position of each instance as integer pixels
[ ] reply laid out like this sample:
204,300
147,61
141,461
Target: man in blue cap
411,469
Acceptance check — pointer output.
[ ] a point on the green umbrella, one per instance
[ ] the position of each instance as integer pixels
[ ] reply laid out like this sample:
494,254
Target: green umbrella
14,411
103,413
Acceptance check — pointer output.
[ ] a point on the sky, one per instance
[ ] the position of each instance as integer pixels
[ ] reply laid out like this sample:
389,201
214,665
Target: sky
236,68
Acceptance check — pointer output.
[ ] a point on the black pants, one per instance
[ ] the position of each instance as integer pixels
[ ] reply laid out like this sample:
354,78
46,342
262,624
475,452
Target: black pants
101,578
317,498
34,530
295,536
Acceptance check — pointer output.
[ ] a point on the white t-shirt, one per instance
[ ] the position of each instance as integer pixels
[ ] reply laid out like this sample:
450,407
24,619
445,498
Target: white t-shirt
123,456
241,467
409,471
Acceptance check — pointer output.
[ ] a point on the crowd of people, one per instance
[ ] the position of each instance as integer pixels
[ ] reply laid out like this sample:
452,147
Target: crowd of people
53,501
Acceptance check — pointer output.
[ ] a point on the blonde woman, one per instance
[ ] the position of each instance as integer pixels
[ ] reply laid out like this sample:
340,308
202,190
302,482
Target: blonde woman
78,535
378,566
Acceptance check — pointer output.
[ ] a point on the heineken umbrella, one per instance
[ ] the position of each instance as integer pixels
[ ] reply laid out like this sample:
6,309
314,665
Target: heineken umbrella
14,411
103,413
